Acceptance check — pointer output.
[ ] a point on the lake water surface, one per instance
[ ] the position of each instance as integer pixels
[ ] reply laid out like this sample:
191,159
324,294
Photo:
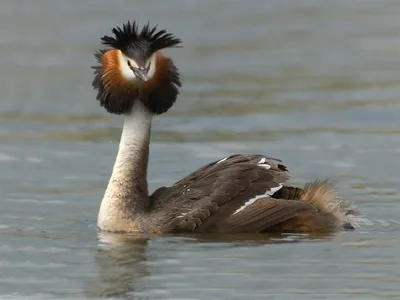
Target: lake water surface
313,82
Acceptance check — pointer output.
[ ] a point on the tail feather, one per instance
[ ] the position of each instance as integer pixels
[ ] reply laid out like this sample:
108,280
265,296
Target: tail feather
323,196
315,208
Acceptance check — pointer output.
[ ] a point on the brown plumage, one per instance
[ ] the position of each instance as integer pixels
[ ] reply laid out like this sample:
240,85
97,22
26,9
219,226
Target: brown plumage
115,92
240,193
160,93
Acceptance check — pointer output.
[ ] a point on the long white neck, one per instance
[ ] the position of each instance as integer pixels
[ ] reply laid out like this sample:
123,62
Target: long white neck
127,195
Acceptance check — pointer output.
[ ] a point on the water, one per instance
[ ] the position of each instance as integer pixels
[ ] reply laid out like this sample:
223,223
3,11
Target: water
314,83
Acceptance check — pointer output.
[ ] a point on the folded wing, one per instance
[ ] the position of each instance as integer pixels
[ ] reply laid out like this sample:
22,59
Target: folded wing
203,200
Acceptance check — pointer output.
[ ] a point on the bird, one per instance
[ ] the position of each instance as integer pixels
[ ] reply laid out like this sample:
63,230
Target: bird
235,194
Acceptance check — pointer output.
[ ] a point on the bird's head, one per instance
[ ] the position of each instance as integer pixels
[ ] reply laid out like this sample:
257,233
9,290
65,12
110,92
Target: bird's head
132,68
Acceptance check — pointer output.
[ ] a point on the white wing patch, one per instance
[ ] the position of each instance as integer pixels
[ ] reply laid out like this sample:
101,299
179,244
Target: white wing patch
222,160
252,200
263,164
182,215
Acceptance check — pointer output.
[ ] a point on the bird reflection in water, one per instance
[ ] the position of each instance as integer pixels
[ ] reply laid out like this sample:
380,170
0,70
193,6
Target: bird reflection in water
123,260
122,263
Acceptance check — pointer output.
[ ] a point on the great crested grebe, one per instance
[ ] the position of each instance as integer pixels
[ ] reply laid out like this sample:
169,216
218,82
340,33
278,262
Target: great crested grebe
239,193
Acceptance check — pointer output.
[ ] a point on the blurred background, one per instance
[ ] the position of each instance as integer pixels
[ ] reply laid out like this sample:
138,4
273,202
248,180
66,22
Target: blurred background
313,82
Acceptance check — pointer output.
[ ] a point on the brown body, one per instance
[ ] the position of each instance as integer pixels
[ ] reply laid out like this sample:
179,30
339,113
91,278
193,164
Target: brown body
240,193
206,200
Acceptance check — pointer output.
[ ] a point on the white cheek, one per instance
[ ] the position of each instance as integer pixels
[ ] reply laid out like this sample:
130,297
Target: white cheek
152,68
126,72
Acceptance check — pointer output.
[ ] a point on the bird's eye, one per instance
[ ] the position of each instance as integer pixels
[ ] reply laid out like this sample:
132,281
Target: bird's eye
129,64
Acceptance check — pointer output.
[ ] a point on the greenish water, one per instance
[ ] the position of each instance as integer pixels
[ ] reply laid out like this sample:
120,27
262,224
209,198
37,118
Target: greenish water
315,83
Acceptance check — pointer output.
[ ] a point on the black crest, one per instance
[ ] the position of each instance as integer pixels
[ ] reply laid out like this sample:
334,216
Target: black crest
129,36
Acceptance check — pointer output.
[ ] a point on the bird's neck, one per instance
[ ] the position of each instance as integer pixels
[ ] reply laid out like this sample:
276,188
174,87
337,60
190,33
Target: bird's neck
126,196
